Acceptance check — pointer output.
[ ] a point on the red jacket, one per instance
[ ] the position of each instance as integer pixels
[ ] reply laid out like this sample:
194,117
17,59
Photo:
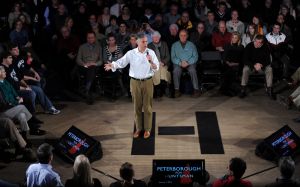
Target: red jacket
228,181
219,39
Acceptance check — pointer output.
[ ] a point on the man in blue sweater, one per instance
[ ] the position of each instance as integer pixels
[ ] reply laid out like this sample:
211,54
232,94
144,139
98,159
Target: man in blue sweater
184,55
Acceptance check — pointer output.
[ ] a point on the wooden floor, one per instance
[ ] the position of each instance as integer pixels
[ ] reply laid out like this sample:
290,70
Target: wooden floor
243,123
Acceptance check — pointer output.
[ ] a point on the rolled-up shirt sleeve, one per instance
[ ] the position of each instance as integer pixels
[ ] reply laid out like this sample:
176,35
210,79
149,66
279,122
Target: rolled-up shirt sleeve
121,63
154,60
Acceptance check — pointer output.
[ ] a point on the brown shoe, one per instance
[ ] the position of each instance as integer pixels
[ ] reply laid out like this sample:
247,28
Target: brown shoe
177,94
136,134
147,134
196,93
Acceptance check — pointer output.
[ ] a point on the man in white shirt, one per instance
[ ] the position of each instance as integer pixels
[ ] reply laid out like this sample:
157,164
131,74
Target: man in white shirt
143,63
41,174
278,47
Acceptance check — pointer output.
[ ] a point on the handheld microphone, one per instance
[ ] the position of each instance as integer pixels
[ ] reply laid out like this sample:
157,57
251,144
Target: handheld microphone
147,58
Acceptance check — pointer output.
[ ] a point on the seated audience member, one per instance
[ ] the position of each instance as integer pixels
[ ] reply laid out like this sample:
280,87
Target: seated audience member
201,10
127,174
222,14
233,60
162,77
173,15
210,24
19,35
31,80
160,26
82,176
246,11
256,59
11,104
289,19
184,56
221,37
201,38
113,26
259,27
104,17
126,17
285,29
184,22
235,25
9,130
249,36
172,35
15,13
67,49
89,58
112,52
236,170
122,37
277,45
287,168
148,16
41,174
268,12
147,30
14,78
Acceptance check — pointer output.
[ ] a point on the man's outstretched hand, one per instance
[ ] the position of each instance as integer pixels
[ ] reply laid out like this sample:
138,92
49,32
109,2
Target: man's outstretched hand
108,67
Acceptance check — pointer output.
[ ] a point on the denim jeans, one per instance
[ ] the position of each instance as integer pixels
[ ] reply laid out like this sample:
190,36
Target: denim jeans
42,98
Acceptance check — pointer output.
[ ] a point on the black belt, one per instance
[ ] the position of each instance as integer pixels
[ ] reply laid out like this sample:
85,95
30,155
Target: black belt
141,79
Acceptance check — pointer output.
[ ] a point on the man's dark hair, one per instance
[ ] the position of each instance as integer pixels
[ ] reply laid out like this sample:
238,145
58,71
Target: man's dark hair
91,32
276,23
287,167
260,37
109,35
222,4
140,36
11,45
44,153
210,12
5,55
133,36
126,171
238,167
113,17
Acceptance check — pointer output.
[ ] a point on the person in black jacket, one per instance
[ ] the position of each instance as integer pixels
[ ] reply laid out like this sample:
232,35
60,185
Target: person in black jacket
127,174
257,59
232,57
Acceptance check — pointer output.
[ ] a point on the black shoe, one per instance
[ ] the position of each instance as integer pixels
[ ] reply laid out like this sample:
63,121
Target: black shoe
270,93
35,120
89,100
37,132
243,93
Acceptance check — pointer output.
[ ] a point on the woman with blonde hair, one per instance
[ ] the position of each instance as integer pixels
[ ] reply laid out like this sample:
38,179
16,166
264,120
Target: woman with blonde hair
232,57
82,174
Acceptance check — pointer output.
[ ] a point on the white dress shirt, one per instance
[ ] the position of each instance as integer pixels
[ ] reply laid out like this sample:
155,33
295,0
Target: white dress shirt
140,68
40,175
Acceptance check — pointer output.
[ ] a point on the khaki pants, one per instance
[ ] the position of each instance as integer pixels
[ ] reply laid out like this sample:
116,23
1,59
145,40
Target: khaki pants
142,95
268,73
296,97
8,129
